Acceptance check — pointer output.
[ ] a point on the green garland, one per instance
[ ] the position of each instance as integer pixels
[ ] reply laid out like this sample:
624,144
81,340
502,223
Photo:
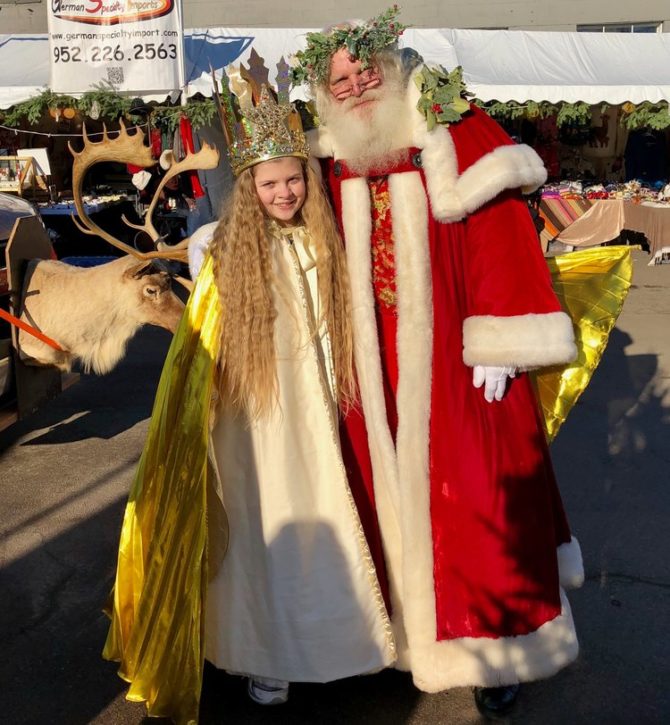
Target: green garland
362,42
573,114
111,105
567,114
646,115
633,117
32,109
199,113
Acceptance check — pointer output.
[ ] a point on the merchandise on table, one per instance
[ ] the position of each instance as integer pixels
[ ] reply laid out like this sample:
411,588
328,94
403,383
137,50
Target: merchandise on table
634,191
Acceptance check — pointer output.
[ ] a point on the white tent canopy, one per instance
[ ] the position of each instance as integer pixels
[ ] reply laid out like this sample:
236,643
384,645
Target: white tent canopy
24,67
497,65
547,66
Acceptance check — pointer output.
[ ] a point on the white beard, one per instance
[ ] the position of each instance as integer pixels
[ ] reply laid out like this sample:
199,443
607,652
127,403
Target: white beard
372,135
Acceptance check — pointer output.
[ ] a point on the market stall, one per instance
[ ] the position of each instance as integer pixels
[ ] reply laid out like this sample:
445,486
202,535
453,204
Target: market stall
92,205
605,219
575,215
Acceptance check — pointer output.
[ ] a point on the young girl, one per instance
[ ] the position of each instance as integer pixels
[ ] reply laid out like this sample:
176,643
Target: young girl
296,597
293,599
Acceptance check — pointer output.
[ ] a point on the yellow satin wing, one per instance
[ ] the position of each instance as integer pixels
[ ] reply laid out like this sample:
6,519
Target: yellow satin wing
157,604
591,285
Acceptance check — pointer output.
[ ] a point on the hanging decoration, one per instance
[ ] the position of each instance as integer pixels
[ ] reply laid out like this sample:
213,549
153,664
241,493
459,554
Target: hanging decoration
104,100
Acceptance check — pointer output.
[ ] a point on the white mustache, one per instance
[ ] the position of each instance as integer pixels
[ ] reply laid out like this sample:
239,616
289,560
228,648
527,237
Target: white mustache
371,94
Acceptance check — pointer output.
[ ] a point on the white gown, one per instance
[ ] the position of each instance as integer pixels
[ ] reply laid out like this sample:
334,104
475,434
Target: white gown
296,597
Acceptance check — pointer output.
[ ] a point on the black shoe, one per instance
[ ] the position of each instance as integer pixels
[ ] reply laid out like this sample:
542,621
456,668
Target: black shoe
496,701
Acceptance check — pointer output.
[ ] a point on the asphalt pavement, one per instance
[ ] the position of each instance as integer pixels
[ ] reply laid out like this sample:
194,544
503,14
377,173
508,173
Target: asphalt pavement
64,478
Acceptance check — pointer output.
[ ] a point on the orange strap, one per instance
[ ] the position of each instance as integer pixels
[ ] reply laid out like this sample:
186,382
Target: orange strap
30,330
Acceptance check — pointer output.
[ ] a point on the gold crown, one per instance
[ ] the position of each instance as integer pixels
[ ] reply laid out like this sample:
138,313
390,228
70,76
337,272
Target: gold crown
259,125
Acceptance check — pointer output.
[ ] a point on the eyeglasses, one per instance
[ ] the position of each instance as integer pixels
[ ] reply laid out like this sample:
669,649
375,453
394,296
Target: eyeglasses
344,88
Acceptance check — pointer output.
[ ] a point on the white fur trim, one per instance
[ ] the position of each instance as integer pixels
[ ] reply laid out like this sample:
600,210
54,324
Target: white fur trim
570,564
357,223
520,341
453,197
415,353
507,167
440,166
488,662
198,245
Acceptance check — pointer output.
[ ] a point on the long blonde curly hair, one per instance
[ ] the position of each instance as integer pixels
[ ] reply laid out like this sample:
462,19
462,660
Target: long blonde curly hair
243,270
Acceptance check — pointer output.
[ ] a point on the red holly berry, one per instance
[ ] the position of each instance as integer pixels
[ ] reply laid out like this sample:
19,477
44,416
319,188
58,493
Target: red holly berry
437,108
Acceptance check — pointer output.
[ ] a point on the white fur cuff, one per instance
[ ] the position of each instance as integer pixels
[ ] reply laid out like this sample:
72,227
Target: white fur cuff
198,244
507,167
570,565
453,197
521,341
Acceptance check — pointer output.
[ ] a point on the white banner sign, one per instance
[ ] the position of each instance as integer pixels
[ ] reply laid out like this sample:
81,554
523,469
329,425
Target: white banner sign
136,45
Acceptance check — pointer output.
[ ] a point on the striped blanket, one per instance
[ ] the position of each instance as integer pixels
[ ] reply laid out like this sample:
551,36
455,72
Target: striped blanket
558,213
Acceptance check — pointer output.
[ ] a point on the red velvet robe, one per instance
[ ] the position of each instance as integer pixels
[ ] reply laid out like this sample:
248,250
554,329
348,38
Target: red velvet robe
471,530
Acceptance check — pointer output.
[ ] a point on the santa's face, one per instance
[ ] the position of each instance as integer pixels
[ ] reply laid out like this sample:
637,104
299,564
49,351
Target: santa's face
350,85
365,112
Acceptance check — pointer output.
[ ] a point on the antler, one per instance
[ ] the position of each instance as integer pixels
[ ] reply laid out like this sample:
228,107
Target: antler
130,148
206,158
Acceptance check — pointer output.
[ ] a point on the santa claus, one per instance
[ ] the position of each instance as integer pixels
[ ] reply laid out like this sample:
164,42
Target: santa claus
450,294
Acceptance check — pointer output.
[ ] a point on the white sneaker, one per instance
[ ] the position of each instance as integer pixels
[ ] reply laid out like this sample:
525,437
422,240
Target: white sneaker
265,691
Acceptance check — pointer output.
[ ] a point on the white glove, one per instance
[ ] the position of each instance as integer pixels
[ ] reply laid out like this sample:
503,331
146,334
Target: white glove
493,379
